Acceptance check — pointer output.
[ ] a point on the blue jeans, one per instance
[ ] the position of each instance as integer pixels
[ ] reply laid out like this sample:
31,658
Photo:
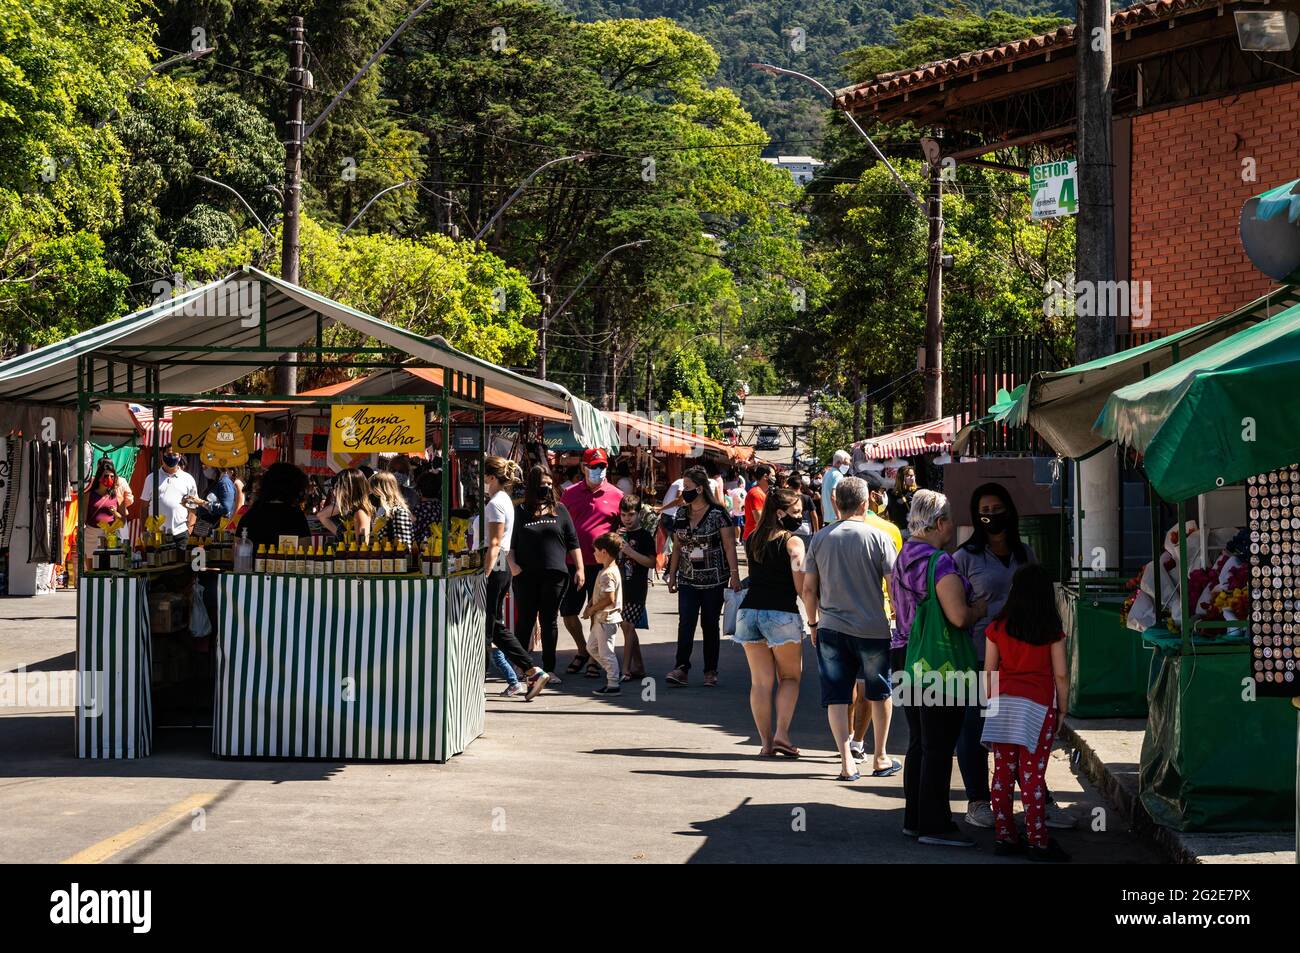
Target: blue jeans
973,757
503,667
842,658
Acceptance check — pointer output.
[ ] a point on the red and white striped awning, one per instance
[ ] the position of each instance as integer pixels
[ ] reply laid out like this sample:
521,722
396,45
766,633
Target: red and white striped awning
933,436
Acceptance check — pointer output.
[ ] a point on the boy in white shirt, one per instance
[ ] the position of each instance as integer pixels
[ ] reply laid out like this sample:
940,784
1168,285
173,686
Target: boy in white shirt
606,610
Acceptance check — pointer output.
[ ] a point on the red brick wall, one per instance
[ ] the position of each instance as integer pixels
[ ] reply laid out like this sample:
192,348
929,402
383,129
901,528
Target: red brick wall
1187,192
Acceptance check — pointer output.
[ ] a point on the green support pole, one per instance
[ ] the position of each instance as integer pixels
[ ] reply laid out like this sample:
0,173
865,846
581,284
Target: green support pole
1185,627
1156,547
83,405
444,408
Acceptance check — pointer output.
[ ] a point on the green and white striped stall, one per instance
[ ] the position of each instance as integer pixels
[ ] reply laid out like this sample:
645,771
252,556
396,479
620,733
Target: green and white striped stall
348,668
114,705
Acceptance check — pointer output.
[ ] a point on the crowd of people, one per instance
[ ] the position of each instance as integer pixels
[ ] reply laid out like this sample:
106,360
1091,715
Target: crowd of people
863,570
868,572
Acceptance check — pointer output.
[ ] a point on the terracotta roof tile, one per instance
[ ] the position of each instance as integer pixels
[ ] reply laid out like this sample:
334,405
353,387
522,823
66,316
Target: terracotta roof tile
1125,19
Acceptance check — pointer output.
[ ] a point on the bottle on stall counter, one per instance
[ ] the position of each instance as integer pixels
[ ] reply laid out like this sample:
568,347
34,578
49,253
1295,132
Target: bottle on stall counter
403,559
300,560
386,559
277,559
259,560
319,569
327,563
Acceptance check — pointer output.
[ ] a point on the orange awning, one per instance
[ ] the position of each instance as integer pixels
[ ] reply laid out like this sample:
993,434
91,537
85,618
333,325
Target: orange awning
493,399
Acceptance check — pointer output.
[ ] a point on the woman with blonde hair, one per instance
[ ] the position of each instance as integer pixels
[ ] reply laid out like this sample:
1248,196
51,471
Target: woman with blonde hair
396,525
350,500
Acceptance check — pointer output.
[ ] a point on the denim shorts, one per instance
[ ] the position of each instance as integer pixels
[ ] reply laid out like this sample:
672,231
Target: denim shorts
843,659
768,625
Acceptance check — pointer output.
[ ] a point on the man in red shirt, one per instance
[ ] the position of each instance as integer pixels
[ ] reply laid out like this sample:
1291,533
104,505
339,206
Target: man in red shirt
593,506
755,499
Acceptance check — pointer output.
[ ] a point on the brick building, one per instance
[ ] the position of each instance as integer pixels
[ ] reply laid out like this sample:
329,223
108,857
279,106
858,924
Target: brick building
1199,127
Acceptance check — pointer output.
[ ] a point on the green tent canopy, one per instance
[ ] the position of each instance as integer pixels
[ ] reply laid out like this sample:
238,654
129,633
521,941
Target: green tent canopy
1219,416
1063,405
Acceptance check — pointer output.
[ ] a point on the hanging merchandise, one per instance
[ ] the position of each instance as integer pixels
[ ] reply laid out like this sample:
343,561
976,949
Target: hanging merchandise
10,450
122,457
1274,582
49,476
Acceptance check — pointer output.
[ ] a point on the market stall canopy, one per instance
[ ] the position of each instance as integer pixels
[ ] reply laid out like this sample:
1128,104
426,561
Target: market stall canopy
636,430
1063,405
413,379
253,309
932,436
997,414
1226,413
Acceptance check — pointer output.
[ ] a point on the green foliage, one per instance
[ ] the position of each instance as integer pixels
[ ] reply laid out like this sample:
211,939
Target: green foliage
429,285
66,67
744,33
172,132
688,386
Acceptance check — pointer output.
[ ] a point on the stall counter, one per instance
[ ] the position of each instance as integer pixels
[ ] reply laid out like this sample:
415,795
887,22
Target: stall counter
349,667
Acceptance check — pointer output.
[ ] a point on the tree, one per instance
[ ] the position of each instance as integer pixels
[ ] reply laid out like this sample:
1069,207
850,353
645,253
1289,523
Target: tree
430,285
66,68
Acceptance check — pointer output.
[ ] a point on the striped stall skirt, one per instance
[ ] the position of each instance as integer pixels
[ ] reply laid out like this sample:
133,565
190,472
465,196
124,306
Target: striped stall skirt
348,668
114,707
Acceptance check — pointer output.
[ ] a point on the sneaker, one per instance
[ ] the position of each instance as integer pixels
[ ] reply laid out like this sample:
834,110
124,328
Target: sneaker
856,752
951,839
512,689
710,679
1051,854
677,676
908,832
980,814
554,681
608,690
536,683
1059,818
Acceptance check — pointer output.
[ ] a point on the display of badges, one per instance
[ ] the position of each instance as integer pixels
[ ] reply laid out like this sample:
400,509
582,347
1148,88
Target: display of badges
1274,501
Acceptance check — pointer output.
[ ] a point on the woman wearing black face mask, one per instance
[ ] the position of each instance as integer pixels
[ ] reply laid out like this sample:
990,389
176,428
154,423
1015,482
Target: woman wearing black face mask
768,624
989,560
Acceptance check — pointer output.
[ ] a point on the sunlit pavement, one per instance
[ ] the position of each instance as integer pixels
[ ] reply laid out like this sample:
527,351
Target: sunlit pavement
659,774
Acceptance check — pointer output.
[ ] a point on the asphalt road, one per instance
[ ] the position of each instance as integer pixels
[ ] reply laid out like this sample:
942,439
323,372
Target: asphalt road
666,775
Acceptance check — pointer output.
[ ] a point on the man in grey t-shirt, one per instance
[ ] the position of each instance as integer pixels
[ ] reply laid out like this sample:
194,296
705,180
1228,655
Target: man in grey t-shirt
844,568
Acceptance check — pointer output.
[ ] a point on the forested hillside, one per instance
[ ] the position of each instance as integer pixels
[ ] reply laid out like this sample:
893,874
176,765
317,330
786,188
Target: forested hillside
744,31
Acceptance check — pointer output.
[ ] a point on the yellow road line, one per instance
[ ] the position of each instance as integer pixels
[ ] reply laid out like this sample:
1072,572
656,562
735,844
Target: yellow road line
98,853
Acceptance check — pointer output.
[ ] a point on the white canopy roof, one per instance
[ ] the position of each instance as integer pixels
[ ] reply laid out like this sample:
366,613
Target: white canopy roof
226,313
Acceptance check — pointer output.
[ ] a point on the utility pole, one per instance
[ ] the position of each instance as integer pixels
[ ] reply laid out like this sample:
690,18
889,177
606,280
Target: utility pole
934,299
543,324
1095,227
286,373
1097,486
649,386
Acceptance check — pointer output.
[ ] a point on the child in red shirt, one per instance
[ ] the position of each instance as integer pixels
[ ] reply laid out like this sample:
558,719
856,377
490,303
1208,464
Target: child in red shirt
1025,647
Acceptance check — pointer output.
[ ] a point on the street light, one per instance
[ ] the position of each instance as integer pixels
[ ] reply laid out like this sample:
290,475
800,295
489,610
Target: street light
576,157
936,259
548,318
1267,31
782,71
204,178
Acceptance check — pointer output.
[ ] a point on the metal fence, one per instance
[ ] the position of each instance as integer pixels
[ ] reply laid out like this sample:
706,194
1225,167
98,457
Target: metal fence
1003,363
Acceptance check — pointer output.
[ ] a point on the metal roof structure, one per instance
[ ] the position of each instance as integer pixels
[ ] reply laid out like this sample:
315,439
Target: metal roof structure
254,312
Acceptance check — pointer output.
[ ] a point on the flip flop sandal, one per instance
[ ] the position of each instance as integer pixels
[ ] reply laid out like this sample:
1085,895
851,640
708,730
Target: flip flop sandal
894,768
790,751
766,753
849,777
594,671
577,665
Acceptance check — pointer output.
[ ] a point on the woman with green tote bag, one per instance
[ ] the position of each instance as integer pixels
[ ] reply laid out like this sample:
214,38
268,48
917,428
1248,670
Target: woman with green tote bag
934,615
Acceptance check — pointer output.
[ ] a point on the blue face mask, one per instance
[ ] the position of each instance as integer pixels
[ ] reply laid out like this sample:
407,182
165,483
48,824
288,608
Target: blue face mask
596,475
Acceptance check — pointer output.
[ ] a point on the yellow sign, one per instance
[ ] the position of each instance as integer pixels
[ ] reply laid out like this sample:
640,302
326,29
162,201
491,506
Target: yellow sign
220,438
387,428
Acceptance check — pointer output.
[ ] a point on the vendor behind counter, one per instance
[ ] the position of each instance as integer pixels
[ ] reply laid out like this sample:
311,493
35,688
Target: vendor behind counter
277,509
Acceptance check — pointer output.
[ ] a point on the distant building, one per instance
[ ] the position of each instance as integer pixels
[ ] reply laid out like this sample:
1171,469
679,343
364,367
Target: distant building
801,168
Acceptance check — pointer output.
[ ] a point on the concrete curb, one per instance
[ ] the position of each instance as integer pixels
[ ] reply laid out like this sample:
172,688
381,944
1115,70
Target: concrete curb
1125,798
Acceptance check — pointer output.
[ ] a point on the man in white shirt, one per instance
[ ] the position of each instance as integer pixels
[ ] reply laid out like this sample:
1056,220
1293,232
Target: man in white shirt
174,486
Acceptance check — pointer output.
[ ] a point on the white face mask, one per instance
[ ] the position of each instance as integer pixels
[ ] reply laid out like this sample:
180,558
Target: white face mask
843,468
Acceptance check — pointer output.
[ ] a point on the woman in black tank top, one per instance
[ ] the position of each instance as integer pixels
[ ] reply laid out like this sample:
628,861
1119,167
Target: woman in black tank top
768,623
